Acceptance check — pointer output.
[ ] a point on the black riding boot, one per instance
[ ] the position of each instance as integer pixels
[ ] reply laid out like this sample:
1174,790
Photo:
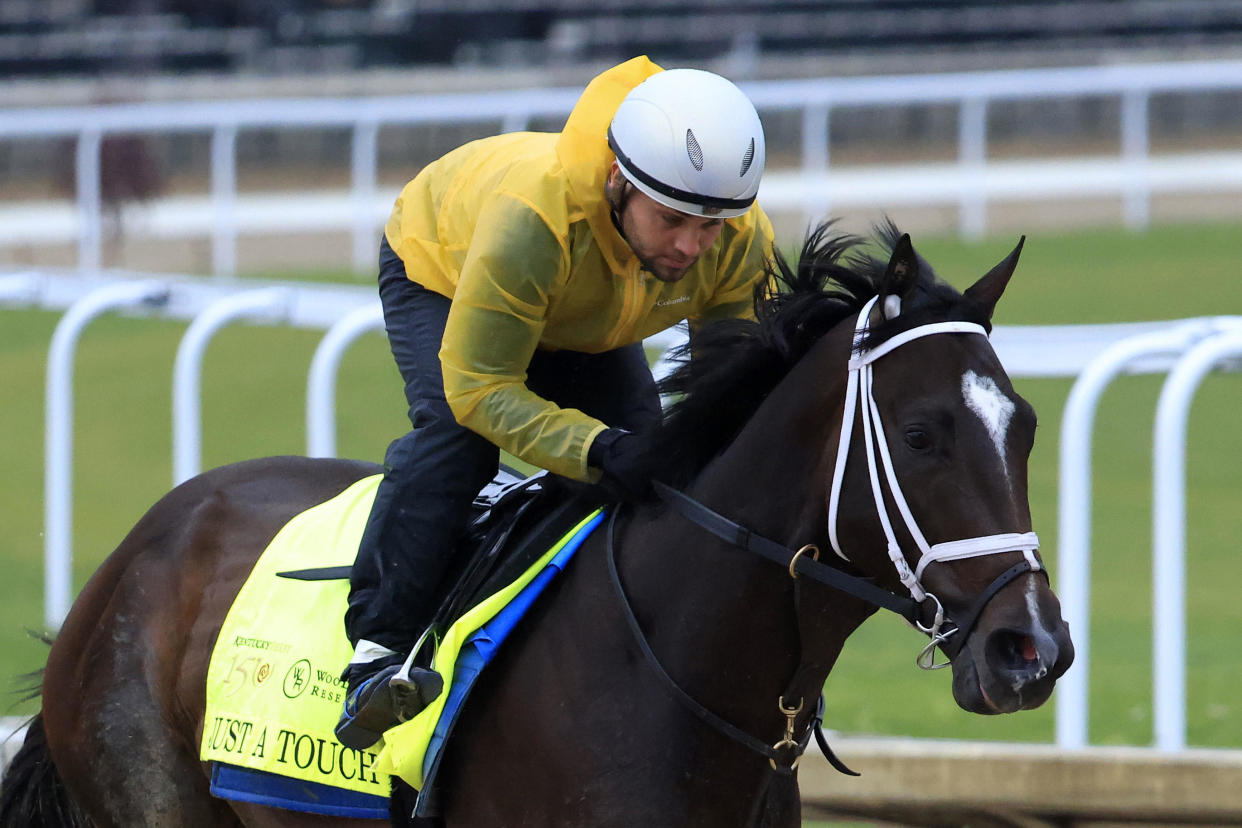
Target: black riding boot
384,700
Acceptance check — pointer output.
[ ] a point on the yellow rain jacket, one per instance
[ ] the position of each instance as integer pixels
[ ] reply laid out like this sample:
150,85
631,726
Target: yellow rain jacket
515,229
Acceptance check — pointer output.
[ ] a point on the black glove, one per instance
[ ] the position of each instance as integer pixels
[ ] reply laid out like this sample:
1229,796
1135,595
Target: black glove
619,455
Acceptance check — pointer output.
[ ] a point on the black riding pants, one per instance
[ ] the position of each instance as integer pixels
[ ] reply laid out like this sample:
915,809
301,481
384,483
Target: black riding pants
432,474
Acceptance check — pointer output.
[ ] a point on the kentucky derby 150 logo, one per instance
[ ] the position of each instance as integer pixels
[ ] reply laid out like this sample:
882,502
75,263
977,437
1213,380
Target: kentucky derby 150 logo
245,670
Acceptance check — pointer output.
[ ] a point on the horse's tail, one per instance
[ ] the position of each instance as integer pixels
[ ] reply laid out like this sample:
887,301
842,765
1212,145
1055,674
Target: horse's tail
32,794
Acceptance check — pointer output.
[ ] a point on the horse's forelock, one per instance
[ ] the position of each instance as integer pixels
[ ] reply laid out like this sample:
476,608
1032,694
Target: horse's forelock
934,301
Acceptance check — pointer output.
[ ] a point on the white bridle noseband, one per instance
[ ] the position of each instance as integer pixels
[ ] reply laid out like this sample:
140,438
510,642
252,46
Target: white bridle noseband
858,393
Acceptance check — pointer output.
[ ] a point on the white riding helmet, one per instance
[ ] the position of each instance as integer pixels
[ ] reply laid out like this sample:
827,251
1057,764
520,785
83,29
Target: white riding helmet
692,141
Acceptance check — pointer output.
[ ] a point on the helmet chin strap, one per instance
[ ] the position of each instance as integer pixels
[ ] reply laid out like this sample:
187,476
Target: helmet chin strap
615,208
858,396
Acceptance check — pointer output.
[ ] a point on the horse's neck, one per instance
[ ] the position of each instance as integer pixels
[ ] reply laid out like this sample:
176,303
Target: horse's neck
732,612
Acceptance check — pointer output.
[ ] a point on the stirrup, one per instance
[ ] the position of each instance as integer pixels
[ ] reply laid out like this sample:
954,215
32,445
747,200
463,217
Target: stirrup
412,691
387,699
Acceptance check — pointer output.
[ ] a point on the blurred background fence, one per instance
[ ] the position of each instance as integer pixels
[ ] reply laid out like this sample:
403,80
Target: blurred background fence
111,161
211,137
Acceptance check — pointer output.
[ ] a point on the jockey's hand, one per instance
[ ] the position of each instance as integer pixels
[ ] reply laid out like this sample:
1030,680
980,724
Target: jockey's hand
619,455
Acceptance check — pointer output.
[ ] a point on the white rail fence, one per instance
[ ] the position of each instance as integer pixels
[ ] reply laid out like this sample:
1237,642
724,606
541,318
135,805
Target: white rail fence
972,182
1094,354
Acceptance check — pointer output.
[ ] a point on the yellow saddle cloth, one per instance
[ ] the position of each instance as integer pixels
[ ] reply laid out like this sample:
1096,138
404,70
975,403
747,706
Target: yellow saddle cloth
273,689
274,692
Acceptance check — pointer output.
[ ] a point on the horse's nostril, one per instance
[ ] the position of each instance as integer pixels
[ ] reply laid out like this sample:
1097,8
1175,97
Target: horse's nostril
1013,652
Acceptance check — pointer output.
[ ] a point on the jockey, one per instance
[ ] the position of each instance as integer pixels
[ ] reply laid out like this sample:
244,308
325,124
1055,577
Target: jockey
519,275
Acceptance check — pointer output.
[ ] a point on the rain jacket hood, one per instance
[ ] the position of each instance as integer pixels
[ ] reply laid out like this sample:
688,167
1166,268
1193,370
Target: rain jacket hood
584,141
516,230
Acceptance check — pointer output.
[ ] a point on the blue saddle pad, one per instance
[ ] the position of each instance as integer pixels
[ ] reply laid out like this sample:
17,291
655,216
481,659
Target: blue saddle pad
263,788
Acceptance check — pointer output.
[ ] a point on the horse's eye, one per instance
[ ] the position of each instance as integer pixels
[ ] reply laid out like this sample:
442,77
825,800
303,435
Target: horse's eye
918,439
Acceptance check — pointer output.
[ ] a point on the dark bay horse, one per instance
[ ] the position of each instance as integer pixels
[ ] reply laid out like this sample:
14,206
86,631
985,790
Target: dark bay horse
864,412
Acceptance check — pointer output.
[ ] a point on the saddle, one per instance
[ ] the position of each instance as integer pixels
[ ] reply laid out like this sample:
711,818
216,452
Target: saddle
513,521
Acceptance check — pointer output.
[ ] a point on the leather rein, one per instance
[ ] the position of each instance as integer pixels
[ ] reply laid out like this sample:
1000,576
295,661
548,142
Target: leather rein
921,609
799,562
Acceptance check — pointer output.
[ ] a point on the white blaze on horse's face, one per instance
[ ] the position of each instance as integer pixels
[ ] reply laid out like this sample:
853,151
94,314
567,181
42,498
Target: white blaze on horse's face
992,407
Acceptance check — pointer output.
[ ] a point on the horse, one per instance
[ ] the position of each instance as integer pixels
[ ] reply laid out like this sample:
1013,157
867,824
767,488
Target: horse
670,675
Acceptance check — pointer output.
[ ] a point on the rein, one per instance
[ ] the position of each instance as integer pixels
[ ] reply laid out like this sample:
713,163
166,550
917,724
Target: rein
797,563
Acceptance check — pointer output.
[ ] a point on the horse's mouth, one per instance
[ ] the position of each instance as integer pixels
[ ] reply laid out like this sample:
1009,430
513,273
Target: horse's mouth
992,706
1018,700
971,694
968,690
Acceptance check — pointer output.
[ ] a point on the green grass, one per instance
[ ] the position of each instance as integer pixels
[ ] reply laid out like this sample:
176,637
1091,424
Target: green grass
254,405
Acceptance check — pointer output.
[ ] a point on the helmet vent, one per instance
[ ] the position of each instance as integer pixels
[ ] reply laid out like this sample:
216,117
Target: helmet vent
693,149
748,158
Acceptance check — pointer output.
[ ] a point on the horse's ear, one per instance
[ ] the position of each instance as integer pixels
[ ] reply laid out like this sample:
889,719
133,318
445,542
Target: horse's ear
987,291
900,277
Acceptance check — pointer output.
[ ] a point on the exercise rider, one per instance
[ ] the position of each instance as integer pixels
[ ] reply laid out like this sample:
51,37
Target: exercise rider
519,275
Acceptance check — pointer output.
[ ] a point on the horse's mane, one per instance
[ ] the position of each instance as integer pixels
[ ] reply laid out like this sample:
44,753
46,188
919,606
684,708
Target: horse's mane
730,366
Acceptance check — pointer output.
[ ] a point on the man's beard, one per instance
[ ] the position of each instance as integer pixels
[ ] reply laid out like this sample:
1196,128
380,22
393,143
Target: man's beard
617,198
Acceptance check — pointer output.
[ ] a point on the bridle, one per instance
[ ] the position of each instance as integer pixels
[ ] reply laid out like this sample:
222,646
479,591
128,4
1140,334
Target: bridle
922,608
858,395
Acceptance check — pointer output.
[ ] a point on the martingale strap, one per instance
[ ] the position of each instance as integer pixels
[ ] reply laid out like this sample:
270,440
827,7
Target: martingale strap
786,756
